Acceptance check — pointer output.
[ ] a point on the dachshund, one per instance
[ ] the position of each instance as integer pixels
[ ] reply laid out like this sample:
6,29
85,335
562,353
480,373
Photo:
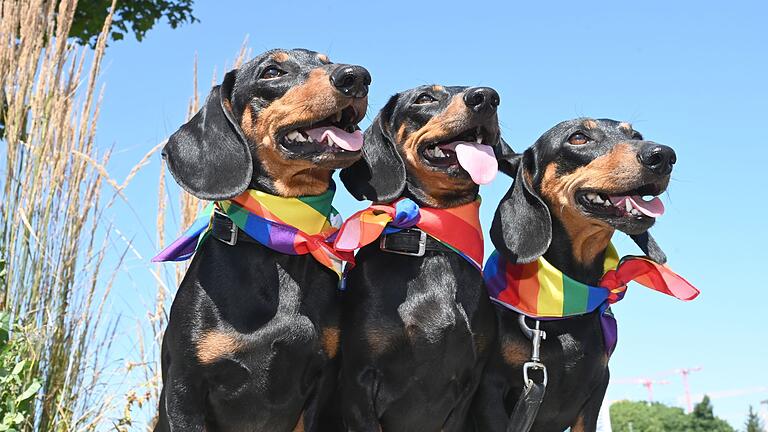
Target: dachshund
579,183
252,338
416,322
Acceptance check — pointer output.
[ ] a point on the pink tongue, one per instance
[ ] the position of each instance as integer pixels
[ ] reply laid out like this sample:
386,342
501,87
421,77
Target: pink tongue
653,208
477,159
348,141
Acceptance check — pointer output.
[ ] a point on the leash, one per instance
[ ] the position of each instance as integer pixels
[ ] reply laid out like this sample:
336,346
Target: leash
527,406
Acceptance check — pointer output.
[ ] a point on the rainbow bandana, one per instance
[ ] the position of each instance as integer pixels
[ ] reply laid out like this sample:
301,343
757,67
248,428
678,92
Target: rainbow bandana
456,227
292,226
539,290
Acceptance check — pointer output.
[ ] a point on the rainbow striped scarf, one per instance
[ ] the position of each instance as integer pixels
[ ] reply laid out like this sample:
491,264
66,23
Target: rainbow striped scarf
456,227
539,290
292,226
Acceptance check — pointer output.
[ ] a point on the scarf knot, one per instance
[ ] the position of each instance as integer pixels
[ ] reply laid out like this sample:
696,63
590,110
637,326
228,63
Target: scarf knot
456,227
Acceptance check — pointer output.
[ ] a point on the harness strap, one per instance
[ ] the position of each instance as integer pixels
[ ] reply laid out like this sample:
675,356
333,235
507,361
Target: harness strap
526,408
413,242
223,229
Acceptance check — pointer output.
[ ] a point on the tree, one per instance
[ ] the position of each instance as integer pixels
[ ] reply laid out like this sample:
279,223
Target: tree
704,420
136,16
753,423
629,416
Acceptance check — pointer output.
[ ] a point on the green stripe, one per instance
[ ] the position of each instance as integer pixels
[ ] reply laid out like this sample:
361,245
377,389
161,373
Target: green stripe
321,203
575,296
237,214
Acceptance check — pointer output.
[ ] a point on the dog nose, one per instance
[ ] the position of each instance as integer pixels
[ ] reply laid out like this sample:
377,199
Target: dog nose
657,158
482,99
352,81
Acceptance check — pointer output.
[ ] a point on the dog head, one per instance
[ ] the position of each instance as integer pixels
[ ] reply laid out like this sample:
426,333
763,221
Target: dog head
432,143
281,123
592,177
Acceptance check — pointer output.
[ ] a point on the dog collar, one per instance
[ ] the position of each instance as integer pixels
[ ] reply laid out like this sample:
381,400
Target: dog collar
458,228
539,290
292,226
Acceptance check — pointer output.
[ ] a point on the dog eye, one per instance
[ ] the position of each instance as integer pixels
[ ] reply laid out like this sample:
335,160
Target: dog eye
579,139
271,73
424,99
637,136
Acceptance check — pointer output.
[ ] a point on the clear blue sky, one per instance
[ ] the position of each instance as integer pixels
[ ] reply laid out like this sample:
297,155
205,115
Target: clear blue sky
691,75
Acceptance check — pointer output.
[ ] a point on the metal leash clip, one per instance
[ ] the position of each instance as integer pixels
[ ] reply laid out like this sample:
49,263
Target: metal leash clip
536,335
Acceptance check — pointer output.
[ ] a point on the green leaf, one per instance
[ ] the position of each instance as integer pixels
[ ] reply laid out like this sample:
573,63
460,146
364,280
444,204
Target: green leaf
29,392
18,368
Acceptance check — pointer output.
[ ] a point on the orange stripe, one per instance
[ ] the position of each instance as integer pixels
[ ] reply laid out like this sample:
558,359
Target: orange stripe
459,227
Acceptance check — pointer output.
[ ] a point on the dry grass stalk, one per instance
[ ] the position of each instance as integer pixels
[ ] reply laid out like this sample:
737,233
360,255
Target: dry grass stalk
53,232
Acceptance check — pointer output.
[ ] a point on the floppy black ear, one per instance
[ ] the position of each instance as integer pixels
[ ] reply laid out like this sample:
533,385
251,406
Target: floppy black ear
209,156
379,176
650,247
522,225
508,159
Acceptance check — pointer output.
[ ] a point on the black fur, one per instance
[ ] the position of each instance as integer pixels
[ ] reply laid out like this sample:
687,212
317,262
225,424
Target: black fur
526,227
415,330
244,349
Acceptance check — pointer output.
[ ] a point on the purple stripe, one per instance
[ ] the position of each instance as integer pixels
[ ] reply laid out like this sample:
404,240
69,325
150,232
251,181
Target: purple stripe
281,239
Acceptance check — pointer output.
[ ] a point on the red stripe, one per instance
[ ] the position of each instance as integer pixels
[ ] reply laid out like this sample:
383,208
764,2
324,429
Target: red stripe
459,227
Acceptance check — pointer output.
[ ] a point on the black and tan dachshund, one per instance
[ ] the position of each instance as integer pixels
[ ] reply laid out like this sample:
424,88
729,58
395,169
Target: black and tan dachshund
560,207
416,329
252,339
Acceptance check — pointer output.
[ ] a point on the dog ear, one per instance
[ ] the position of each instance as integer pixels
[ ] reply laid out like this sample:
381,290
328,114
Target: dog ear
508,159
522,225
648,244
378,176
209,156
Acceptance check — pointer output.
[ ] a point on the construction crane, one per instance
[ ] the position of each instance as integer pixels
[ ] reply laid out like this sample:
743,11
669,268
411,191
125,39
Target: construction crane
684,373
646,382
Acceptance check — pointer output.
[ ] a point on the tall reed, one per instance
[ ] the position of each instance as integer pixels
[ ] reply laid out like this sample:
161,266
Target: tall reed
54,234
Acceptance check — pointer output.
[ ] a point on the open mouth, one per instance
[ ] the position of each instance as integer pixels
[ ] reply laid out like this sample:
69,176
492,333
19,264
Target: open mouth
640,204
337,133
468,150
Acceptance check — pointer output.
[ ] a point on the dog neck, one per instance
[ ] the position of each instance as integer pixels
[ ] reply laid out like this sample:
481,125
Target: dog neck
579,251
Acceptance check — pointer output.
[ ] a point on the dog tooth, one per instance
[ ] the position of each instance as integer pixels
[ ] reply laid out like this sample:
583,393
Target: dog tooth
607,203
479,138
597,199
300,137
338,116
293,135
591,196
439,152
628,205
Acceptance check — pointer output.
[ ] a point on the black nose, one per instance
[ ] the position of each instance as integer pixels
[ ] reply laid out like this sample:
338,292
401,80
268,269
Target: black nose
482,99
657,158
352,81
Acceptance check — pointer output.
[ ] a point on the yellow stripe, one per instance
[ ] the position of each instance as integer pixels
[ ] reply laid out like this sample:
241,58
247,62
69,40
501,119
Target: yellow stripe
292,211
611,259
550,301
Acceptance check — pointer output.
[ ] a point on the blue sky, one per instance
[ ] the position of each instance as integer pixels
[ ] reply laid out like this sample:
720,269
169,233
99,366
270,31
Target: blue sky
691,75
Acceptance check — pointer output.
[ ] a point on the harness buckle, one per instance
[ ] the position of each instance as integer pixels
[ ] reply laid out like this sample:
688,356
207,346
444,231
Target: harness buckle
536,335
534,365
232,229
420,252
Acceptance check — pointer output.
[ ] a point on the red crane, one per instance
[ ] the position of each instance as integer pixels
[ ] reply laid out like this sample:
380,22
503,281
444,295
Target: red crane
646,382
684,373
